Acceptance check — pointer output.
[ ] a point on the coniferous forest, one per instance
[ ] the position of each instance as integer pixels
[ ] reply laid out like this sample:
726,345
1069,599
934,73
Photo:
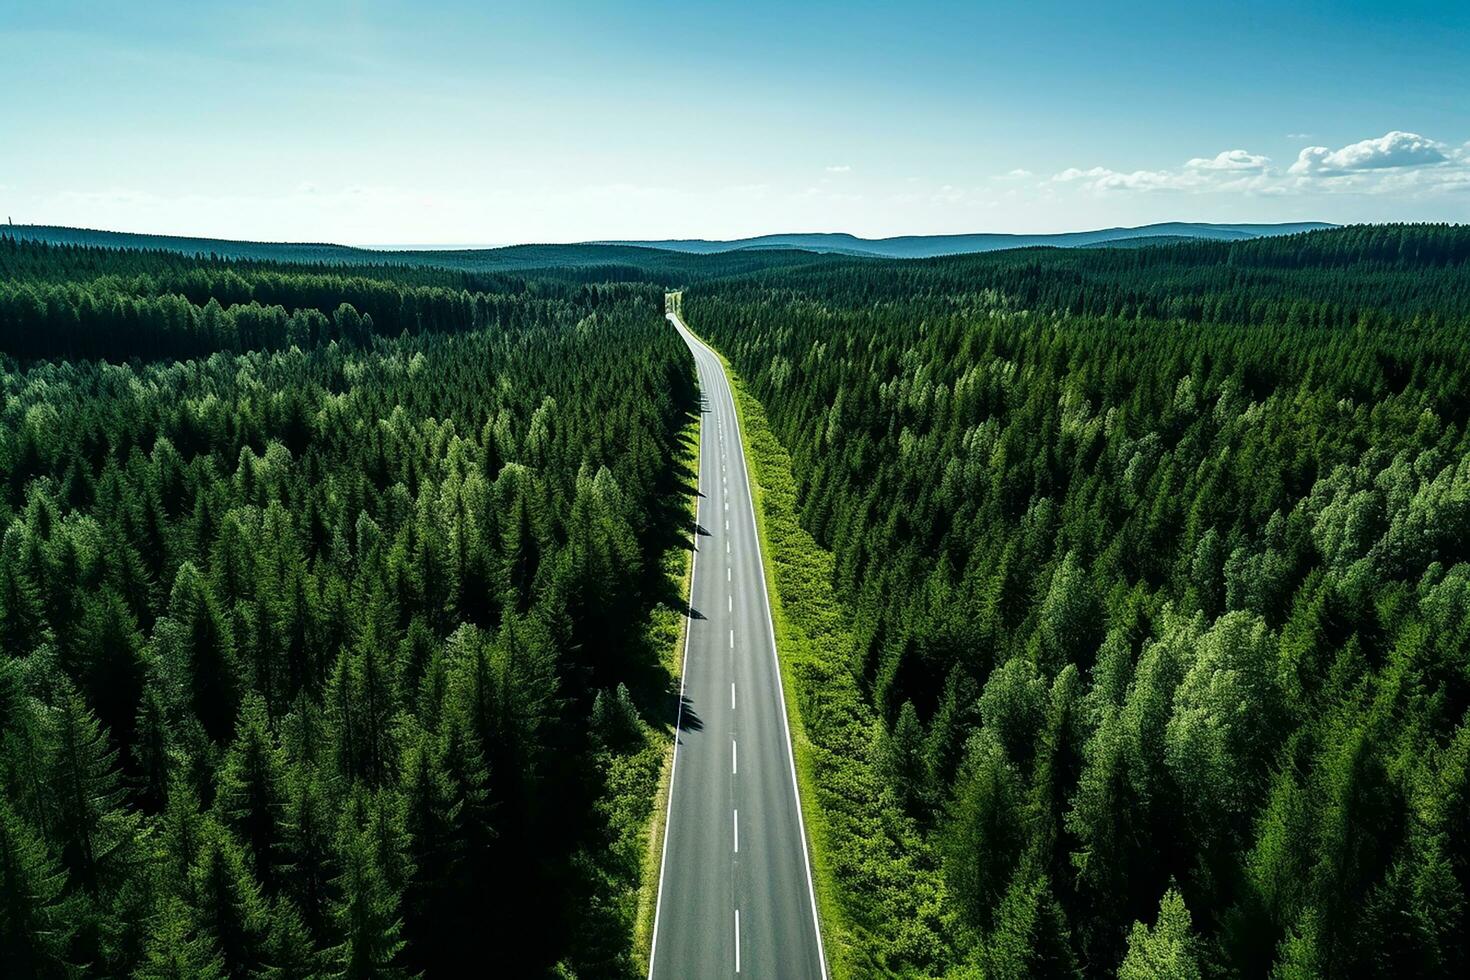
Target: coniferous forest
1157,569
333,601
324,607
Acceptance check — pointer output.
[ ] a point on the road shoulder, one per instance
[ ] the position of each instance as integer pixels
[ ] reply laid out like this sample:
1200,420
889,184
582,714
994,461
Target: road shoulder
667,629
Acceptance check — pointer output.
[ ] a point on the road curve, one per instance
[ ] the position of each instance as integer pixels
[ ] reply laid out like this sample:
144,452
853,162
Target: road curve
735,890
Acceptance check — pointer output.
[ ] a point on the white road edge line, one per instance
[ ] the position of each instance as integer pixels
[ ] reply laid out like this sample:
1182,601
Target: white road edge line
679,721
780,684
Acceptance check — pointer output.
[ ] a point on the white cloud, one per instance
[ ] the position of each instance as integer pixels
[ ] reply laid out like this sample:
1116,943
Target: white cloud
1104,179
1300,136
1397,163
1232,160
840,168
1390,151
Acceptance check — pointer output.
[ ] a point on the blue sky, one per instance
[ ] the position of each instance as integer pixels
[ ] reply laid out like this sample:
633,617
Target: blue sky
384,122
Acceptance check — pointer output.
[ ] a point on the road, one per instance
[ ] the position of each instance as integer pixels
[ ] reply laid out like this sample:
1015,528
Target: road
735,890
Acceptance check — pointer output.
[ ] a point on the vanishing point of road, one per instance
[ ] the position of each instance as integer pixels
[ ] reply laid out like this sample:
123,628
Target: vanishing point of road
735,892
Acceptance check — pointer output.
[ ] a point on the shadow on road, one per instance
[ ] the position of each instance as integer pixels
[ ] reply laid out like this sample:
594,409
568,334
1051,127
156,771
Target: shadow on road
689,720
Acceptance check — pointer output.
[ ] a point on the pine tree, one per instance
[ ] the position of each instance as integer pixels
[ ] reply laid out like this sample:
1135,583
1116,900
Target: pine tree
307,850
227,903
903,762
36,916
22,612
983,837
109,665
96,836
433,815
1030,937
1167,950
181,827
202,647
366,915
154,745
252,791
363,701
290,952
178,951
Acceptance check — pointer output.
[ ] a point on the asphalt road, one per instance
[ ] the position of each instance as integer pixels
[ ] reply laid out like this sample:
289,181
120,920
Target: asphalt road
735,892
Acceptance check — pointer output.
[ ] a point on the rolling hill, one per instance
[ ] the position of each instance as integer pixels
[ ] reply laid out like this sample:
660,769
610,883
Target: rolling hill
671,255
927,246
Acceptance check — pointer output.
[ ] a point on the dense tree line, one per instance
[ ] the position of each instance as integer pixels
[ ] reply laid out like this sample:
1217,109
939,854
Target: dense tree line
76,253
1158,562
1373,275
323,619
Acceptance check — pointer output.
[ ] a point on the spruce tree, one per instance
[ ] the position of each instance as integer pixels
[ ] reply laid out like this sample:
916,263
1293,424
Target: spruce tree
366,915
36,915
252,792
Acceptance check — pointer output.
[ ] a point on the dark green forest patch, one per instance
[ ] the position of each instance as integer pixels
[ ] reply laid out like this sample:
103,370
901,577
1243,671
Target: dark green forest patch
327,620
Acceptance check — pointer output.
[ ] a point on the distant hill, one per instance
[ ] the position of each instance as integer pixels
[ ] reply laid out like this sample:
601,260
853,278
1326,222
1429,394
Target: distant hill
1149,241
673,260
926,246
592,261
480,259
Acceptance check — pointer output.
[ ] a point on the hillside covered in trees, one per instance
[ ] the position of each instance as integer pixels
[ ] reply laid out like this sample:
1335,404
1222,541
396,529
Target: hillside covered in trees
1154,573
325,616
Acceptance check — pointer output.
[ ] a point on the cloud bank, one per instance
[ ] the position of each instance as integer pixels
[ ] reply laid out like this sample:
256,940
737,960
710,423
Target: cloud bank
1389,151
1397,162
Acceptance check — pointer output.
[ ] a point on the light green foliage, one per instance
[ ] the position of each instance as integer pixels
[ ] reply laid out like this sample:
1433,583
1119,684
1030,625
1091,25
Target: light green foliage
1167,950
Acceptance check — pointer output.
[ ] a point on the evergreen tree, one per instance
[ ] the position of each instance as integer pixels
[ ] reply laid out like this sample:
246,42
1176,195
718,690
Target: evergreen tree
1167,950
177,951
227,906
36,916
252,792
983,836
366,915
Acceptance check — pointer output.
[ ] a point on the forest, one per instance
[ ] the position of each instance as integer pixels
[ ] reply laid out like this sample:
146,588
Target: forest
327,616
1155,570
336,599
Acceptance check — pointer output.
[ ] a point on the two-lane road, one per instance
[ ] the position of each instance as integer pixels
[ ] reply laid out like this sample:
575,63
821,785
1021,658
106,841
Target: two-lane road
735,890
